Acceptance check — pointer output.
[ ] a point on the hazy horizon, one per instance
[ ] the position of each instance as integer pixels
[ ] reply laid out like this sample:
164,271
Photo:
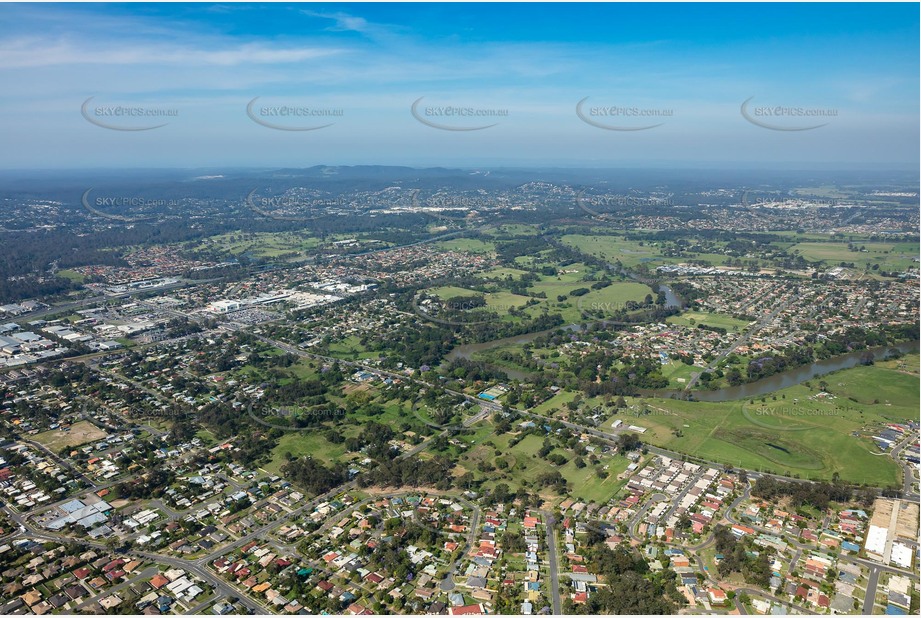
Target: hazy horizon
778,86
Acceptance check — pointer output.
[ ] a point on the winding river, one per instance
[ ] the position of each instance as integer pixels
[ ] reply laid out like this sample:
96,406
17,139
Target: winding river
467,351
786,379
762,387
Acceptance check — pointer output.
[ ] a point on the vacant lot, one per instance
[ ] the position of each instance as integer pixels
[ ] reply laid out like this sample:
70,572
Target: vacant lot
470,245
77,434
520,466
693,318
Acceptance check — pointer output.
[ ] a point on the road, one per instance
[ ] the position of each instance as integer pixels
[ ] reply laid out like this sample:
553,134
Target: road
870,599
146,573
638,516
761,323
677,499
908,469
447,584
218,584
553,563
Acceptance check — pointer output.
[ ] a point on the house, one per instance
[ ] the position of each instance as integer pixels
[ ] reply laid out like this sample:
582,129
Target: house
467,610
31,597
717,596
158,581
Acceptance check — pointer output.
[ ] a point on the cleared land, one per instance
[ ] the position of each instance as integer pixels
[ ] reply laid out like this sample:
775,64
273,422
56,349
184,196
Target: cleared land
78,433
694,318
521,467
795,431
889,256
471,245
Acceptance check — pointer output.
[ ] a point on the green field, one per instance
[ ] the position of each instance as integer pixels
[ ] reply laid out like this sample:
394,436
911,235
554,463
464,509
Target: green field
72,275
606,300
632,253
470,245
501,273
889,256
524,467
350,348
261,244
678,373
693,318
79,433
300,443
798,433
612,248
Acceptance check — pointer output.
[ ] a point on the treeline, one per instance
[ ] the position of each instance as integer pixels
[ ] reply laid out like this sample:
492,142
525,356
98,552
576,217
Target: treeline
738,557
818,495
151,485
313,476
410,472
631,588
769,364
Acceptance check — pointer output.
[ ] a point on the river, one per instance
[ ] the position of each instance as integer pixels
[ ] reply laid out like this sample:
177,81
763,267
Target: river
743,391
785,379
467,351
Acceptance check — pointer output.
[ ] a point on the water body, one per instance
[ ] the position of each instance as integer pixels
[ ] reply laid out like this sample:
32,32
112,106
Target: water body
468,350
744,391
787,378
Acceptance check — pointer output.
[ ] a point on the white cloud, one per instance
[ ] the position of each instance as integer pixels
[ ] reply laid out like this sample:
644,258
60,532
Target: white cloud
38,52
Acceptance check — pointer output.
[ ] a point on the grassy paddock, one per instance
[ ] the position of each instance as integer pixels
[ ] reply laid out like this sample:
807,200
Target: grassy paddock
799,432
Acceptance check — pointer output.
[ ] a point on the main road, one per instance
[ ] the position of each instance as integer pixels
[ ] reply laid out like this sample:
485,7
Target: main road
553,563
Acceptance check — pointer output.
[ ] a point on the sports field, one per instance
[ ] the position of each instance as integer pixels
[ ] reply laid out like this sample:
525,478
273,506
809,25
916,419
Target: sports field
694,318
79,433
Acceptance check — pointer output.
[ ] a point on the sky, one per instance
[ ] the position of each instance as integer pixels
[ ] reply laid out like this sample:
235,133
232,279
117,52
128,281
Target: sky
470,85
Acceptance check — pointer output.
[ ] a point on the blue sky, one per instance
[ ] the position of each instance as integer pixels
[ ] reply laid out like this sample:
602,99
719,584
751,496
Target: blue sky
688,68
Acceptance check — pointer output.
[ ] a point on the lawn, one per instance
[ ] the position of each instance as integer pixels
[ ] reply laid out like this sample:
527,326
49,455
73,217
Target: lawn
607,300
501,272
498,302
523,467
350,348
693,318
794,431
889,256
79,433
628,252
678,373
261,244
470,245
300,443
72,275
